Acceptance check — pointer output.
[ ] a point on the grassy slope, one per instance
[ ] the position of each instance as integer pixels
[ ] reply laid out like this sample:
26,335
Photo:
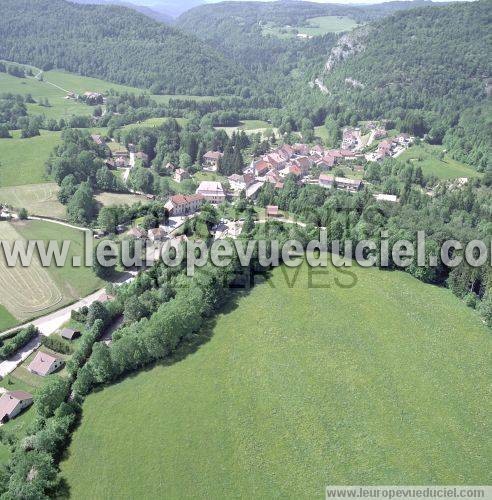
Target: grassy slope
432,165
6,319
74,282
382,383
60,107
38,199
22,161
328,24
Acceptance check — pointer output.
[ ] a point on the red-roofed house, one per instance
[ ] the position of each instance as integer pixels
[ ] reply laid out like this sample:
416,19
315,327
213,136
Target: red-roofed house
295,170
261,168
181,204
272,211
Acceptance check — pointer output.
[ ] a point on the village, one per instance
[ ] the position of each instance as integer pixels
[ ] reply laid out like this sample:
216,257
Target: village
308,164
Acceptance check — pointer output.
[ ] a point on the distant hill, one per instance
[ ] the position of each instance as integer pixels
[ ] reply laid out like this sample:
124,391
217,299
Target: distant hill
153,14
422,66
238,27
116,44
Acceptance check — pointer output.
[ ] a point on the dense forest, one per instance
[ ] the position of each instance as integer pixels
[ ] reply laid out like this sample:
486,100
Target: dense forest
116,44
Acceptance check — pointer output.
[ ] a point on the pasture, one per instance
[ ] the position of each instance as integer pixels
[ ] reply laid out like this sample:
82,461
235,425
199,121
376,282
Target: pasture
314,26
22,161
26,291
34,290
41,90
113,199
327,24
364,378
55,84
6,319
37,199
251,127
428,157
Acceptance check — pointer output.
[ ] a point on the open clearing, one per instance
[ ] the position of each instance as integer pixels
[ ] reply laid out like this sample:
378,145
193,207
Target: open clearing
33,291
295,388
37,199
328,24
427,157
113,199
26,291
22,161
314,26
56,83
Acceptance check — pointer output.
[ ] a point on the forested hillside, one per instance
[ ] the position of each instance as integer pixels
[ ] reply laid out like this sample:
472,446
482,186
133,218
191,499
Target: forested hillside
424,67
238,26
113,43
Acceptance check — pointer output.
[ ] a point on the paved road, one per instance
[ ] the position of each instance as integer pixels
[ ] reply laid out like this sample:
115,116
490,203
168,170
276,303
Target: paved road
46,219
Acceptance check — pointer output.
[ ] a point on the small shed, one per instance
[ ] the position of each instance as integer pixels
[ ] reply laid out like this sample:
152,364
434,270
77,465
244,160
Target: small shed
69,333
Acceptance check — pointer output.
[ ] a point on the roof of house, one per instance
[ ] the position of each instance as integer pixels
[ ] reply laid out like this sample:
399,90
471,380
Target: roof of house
69,333
10,400
213,187
156,231
326,178
294,169
236,178
183,199
42,363
272,210
262,165
213,155
137,232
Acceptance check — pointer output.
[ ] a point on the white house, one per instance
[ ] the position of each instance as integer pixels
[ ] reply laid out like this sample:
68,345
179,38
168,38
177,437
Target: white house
12,403
43,364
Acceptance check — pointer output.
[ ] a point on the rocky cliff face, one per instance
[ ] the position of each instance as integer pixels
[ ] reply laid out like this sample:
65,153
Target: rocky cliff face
347,46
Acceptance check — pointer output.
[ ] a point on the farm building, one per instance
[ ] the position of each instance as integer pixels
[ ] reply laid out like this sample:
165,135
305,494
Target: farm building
69,333
12,403
43,364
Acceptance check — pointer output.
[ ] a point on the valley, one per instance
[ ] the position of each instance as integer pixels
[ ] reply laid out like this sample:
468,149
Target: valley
237,123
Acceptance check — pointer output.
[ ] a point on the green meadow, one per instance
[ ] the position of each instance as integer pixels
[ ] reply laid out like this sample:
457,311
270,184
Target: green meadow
428,157
314,26
43,289
55,84
327,24
22,161
357,376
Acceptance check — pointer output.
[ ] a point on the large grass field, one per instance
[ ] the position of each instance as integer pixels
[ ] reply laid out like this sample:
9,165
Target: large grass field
427,157
313,26
37,199
293,389
113,199
56,83
328,24
33,291
22,161
59,106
